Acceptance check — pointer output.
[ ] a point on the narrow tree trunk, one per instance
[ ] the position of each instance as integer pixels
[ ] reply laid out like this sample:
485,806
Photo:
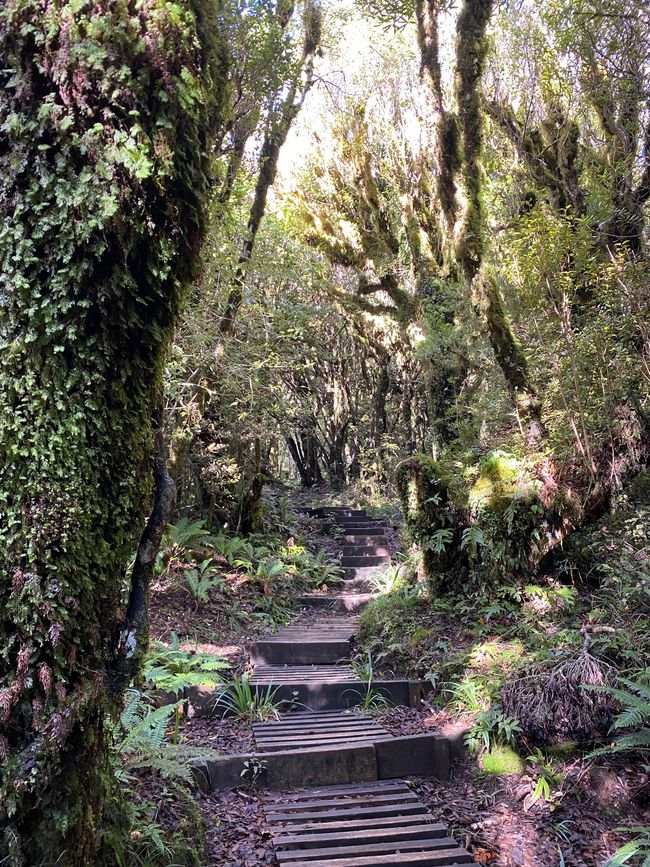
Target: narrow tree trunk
277,129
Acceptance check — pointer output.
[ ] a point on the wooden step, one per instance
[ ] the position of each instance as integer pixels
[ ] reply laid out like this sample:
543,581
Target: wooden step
366,551
324,729
358,826
364,531
344,511
331,687
338,602
364,561
362,539
325,642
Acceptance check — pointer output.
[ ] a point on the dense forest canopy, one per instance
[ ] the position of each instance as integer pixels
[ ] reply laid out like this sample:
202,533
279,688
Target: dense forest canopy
392,248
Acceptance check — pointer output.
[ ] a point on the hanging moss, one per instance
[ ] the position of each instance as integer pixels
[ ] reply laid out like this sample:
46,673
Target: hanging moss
489,306
108,111
432,519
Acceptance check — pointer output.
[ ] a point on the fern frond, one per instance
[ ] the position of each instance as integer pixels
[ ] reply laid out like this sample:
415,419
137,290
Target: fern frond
635,741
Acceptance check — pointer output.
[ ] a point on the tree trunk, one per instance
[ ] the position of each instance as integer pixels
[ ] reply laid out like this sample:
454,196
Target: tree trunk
278,125
98,240
305,456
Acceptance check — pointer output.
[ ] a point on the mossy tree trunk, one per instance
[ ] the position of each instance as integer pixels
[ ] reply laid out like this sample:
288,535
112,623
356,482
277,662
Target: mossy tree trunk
108,114
459,231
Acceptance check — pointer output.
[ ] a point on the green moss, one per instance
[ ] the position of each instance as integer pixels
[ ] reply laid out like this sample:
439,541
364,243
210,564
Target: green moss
109,114
429,513
503,761
564,750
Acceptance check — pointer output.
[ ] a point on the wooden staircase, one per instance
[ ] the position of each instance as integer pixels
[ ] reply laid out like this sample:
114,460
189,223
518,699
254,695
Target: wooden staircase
356,810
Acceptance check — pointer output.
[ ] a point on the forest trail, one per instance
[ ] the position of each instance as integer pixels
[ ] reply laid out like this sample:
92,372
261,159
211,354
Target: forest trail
367,814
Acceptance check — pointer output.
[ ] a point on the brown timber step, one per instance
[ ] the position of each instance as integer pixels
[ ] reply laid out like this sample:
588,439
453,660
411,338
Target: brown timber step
337,510
364,561
355,826
339,602
328,687
358,573
278,674
364,539
386,847
324,729
365,551
363,530
386,787
323,643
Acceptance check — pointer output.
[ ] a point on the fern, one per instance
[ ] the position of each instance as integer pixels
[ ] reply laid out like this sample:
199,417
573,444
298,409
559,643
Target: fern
639,847
471,539
202,579
439,540
173,670
141,741
635,713
185,533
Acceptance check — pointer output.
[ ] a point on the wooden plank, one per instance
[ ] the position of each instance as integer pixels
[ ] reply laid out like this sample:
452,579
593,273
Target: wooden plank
348,743
300,737
351,812
307,743
335,791
366,800
369,848
355,835
300,734
340,826
324,728
299,718
451,857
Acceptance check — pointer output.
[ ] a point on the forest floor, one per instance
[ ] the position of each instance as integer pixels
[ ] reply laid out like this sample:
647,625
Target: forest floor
466,650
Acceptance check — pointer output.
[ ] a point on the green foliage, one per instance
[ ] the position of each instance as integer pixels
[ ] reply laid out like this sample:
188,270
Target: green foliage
185,535
635,713
141,742
249,703
388,581
369,700
502,761
203,578
253,770
492,728
639,848
634,698
136,839
232,547
548,780
173,669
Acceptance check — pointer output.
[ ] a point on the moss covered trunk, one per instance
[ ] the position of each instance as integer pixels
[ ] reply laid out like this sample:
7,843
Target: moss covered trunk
107,110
